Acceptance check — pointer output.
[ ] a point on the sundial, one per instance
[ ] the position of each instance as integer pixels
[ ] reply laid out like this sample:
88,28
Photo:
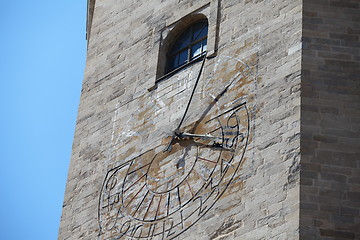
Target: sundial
166,190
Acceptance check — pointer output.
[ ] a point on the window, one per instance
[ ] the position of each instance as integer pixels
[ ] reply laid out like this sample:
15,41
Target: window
189,46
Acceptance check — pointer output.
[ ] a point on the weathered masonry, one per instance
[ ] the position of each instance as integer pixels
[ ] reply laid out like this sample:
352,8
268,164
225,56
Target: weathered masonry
218,119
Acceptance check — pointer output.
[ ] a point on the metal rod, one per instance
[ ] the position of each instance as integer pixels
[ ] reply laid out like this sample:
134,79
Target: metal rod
190,135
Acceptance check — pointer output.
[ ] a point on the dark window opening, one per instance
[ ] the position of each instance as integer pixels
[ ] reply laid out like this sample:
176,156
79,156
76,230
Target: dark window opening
190,45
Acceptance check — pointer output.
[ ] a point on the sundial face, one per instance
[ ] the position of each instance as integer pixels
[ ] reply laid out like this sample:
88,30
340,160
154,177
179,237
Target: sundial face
165,190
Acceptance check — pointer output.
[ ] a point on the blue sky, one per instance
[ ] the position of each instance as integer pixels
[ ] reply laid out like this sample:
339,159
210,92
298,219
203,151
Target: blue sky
43,48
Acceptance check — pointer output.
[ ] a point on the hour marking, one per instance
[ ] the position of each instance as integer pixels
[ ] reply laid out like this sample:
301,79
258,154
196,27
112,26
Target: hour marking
225,165
146,213
182,219
134,183
168,203
216,129
139,168
157,210
207,160
191,191
135,195
178,193
231,109
140,203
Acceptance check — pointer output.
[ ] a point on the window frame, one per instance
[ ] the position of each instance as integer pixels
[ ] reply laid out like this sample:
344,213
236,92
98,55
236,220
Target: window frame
190,59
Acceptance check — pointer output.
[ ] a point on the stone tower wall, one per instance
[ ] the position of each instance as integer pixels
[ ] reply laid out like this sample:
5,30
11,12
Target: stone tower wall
330,126
125,111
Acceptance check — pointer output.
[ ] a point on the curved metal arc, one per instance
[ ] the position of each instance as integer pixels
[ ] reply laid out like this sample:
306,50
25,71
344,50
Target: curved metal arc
228,182
226,186
109,175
